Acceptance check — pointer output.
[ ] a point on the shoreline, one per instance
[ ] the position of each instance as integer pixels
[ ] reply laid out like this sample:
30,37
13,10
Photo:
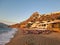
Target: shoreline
12,39
34,39
6,35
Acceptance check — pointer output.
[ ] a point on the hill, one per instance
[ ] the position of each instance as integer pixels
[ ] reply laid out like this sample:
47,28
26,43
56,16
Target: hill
2,25
37,17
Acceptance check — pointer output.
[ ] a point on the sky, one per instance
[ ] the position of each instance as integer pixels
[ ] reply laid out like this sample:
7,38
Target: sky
16,11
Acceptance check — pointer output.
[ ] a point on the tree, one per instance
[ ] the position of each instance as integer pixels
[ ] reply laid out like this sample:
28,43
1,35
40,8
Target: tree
28,25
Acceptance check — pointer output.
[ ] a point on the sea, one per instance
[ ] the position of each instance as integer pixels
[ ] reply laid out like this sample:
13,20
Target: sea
6,34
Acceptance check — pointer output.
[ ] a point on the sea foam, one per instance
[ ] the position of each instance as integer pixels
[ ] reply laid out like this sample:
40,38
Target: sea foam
6,37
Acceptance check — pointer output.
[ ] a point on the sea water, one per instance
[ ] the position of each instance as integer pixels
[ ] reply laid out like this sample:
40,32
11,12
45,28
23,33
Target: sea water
6,34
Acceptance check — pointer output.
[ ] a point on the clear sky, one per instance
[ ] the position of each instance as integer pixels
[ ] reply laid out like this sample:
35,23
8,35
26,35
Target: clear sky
13,11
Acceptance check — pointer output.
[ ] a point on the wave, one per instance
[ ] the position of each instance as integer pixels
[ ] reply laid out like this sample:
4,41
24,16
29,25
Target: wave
6,37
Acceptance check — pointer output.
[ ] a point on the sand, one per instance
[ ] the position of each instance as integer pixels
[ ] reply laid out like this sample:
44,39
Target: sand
35,39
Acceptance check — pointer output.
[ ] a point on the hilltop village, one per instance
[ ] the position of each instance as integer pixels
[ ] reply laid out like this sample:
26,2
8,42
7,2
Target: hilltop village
38,29
49,21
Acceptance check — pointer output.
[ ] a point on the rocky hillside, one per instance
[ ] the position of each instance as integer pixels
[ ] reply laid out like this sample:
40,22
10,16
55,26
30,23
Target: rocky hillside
37,17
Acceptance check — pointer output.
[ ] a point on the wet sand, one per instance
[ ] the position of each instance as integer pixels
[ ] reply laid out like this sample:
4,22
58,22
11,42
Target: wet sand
35,39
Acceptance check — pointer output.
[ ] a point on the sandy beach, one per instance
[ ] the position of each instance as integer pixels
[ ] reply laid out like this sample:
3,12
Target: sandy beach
35,39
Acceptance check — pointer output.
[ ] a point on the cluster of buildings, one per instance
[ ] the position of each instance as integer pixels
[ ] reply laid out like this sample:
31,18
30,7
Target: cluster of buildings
45,25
